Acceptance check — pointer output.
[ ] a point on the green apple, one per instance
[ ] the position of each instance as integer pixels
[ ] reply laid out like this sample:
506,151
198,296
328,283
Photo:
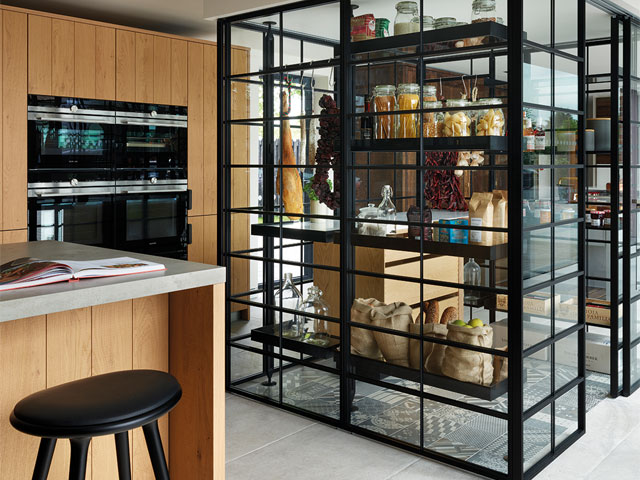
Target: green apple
476,322
459,323
468,326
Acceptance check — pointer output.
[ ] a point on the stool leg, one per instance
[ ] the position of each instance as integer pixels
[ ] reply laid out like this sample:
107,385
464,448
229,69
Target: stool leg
122,452
156,452
43,461
78,466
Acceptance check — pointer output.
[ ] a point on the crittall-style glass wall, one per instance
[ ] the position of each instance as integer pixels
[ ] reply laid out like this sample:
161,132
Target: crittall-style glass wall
402,215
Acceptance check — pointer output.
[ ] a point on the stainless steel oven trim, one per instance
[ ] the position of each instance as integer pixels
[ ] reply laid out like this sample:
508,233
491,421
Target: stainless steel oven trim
68,185
147,115
70,117
68,192
151,121
156,184
134,189
67,110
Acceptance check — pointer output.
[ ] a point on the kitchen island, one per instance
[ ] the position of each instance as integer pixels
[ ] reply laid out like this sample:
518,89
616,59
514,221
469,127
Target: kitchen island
171,320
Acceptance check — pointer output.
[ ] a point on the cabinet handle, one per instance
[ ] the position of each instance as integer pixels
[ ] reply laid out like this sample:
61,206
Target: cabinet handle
189,199
189,234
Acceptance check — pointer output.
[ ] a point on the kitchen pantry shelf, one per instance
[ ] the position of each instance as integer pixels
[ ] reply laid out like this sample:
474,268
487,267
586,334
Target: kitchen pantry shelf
270,335
488,144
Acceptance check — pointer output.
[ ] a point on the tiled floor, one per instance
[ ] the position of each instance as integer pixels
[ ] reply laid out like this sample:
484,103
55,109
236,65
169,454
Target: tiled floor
269,444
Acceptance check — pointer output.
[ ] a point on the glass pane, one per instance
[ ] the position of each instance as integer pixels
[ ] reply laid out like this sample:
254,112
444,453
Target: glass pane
566,360
567,305
566,249
536,253
566,21
536,16
537,437
537,370
537,78
566,410
566,82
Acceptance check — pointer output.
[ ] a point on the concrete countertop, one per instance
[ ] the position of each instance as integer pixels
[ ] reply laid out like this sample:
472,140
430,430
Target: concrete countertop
58,297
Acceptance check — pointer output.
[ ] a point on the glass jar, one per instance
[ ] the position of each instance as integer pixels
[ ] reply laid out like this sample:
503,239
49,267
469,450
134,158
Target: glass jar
289,297
384,100
405,18
315,330
484,11
408,99
433,122
444,22
387,210
457,123
427,23
370,212
489,121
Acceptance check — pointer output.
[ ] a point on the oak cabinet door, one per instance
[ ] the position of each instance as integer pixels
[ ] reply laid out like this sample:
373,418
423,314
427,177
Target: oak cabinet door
62,58
105,63
85,60
195,131
144,68
162,70
178,72
39,55
125,66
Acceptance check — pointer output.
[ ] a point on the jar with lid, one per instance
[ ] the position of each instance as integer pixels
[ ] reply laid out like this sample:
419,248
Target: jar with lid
384,100
370,212
444,22
408,99
405,18
316,330
484,11
490,120
427,23
433,122
457,123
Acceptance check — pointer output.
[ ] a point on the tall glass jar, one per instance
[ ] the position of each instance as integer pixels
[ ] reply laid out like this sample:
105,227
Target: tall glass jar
472,277
457,123
490,120
433,123
484,11
404,22
289,297
315,330
408,99
387,210
384,100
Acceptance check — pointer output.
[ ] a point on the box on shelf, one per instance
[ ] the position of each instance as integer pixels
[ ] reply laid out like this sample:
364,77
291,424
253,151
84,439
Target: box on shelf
597,358
363,27
533,333
598,312
538,303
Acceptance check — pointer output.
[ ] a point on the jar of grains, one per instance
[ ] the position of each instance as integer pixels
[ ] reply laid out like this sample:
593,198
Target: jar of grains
408,99
405,18
457,123
490,120
384,100
433,122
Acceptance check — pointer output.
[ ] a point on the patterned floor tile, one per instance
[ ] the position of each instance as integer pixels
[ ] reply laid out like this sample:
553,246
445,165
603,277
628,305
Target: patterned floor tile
453,449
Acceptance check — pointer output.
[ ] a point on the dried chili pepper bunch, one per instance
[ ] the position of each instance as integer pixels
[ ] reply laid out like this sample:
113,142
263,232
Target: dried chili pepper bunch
328,155
441,187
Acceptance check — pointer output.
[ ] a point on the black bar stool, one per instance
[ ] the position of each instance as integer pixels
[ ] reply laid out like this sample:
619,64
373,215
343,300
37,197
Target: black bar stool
113,403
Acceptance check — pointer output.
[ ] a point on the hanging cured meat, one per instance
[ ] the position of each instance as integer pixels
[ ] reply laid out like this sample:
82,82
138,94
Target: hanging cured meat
290,177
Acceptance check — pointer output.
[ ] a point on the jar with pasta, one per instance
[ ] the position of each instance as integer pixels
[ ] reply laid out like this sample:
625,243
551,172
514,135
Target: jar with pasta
457,123
408,99
384,100
490,120
433,122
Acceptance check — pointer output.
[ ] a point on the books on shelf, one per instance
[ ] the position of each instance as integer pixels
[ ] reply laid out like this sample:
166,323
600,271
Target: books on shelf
31,272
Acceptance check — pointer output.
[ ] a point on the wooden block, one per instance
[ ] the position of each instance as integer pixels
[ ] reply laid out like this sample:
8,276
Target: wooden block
105,63
39,55
161,70
178,72
150,351
144,68
125,66
62,58
23,372
85,60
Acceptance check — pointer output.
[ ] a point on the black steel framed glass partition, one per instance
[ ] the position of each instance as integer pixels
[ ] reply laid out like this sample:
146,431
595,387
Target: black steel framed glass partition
441,320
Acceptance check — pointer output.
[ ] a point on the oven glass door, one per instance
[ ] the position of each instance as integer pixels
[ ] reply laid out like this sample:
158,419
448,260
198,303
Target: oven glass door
85,219
144,150
62,147
153,223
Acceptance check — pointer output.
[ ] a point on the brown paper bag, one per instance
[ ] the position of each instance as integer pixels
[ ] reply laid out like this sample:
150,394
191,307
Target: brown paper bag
499,215
467,365
481,215
433,363
396,316
362,341
414,346
500,367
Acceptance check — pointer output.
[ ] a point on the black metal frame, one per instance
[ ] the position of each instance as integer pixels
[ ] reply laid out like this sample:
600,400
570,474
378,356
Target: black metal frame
518,49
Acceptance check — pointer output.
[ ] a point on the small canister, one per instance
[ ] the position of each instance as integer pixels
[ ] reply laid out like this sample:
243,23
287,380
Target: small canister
602,129
382,27
589,140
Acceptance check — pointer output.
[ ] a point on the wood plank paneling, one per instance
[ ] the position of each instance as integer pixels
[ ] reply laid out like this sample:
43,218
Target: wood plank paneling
1,114
85,60
144,68
195,131
210,240
105,63
14,121
13,236
150,351
23,371
196,249
39,55
196,357
179,72
68,359
62,58
210,135
125,66
162,70
112,349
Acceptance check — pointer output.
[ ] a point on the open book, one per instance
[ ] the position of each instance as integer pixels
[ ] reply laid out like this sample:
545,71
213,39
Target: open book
30,272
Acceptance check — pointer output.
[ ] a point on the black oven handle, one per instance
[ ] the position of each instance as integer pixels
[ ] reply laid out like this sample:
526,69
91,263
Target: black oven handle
189,234
189,199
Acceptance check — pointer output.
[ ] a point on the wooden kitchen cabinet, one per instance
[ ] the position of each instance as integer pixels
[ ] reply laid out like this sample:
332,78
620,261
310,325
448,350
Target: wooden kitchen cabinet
195,132
125,66
210,125
161,70
62,58
39,55
105,63
144,68
196,248
179,72
85,60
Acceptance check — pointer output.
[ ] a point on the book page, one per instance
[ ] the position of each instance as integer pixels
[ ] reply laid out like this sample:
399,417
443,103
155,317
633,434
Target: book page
23,270
109,267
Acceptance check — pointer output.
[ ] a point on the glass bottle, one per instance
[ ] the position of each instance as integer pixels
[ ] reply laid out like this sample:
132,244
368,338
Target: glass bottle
404,22
314,330
366,122
472,277
387,209
483,11
288,296
384,100
408,99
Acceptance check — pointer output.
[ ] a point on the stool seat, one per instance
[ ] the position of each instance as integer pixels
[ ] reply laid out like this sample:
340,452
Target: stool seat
99,405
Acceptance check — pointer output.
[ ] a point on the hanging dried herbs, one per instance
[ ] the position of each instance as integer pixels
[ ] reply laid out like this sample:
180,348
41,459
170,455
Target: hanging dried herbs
328,155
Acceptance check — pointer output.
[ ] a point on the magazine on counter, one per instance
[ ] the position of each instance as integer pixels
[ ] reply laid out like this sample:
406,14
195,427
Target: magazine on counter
31,272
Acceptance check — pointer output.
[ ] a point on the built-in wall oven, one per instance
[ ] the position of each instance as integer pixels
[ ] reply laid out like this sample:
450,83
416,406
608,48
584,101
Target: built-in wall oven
109,174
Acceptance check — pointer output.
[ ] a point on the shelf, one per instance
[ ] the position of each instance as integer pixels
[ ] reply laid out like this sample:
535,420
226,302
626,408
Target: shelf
487,144
486,252
313,232
598,152
270,335
367,367
491,30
